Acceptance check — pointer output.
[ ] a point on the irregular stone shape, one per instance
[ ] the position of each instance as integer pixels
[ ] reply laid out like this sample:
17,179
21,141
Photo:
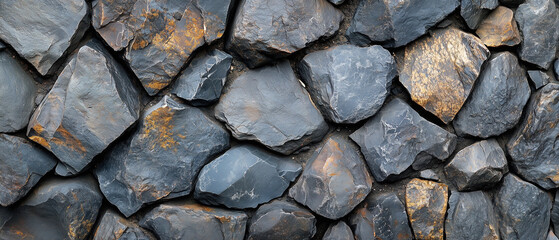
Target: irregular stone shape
335,179
496,103
522,209
162,157
426,204
269,105
244,177
339,231
348,83
539,78
189,220
202,81
473,11
159,36
551,236
17,94
471,216
499,29
389,151
21,167
91,104
532,145
556,68
382,216
538,47
112,226
555,212
264,30
396,23
57,209
42,31
429,174
337,2
439,71
275,221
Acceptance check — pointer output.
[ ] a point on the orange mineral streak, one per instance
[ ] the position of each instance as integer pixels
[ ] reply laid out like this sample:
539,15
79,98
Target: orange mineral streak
37,138
158,129
197,207
67,140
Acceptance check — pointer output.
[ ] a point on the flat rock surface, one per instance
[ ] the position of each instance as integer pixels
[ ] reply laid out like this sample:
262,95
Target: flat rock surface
555,212
273,221
426,204
539,78
471,216
338,231
112,226
473,11
499,29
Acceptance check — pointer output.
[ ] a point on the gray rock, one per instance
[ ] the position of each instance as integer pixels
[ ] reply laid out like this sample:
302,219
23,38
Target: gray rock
337,2
348,83
522,209
91,104
42,31
244,177
429,174
556,68
274,221
264,30
389,151
338,231
112,226
2,45
551,236
539,78
202,81
269,105
473,11
471,216
538,47
162,157
555,212
396,23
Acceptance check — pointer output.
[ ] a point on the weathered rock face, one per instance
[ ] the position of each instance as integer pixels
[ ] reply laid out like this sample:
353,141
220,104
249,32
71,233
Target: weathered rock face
555,212
471,216
273,221
56,209
539,78
75,122
244,177
202,81
265,30
389,151
348,83
499,29
439,71
396,23
42,31
159,36
532,146
335,179
496,103
538,46
473,11
429,174
523,209
339,231
281,116
112,226
188,220
143,168
426,204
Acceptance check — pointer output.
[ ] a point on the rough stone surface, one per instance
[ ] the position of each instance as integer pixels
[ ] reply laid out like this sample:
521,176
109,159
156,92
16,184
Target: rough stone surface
426,204
244,177
539,78
338,231
335,179
389,151
471,216
159,35
281,116
496,103
473,11
439,71
523,209
555,212
499,29
396,23
112,226
273,221
348,83
337,2
188,220
429,174
202,81
264,30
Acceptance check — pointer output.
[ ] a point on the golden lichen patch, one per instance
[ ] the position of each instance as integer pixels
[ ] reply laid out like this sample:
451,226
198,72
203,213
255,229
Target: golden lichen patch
499,28
158,129
426,204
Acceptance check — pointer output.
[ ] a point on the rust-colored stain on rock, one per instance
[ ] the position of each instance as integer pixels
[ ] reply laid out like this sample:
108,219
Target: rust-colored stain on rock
426,204
499,29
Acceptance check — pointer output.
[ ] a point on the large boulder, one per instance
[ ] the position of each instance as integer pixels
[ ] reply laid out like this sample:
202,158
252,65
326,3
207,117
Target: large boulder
275,221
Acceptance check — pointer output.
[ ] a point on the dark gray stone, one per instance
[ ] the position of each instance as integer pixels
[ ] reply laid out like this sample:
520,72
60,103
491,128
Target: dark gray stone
264,30
396,23
348,83
471,216
555,212
42,31
244,177
389,151
202,81
429,174
473,11
269,105
274,221
2,45
539,78
338,231
91,104
337,2
556,68
112,226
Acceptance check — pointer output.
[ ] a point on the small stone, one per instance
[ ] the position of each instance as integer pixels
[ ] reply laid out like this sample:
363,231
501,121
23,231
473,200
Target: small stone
274,221
556,68
499,29
42,31
471,216
269,105
335,179
539,22
522,209
395,23
555,212
264,30
189,220
336,2
348,83
426,204
473,11
112,226
390,151
429,174
439,71
202,81
338,231
539,78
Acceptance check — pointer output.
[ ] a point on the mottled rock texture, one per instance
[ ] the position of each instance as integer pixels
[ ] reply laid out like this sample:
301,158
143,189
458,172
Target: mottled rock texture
273,221
426,204
499,29
338,231
112,226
